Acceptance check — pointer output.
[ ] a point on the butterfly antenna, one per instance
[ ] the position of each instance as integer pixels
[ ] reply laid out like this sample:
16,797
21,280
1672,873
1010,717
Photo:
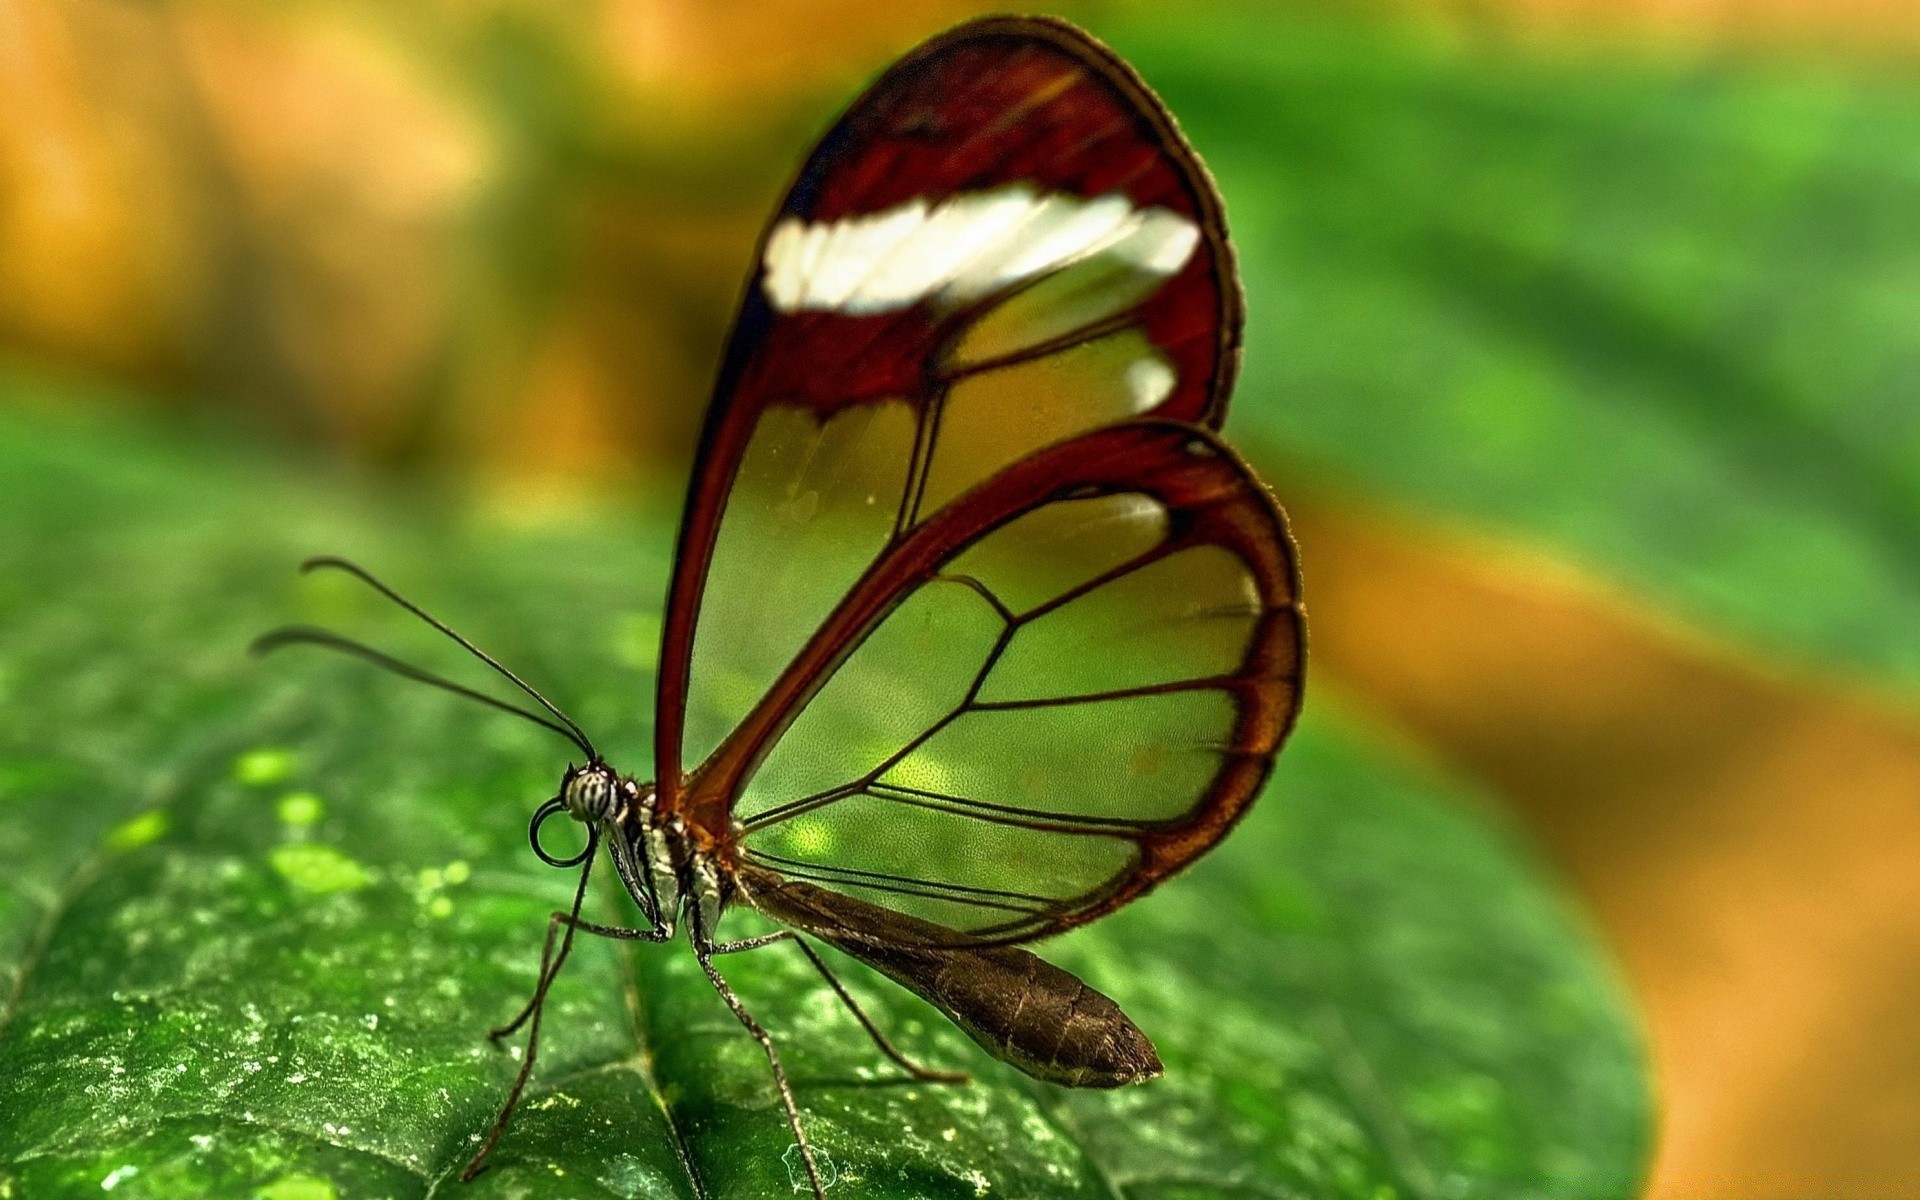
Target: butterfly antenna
308,635
367,577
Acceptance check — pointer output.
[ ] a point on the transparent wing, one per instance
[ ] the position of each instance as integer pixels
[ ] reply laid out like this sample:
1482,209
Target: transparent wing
1047,698
1002,244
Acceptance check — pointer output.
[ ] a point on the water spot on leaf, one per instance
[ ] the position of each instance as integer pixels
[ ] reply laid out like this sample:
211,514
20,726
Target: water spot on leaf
316,868
146,827
298,1187
265,766
301,809
631,1179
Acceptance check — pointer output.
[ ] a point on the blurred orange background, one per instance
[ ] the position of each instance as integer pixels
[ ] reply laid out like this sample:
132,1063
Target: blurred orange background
499,241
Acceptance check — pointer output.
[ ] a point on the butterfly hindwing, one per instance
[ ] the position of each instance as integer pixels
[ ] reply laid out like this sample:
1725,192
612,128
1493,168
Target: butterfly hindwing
1046,698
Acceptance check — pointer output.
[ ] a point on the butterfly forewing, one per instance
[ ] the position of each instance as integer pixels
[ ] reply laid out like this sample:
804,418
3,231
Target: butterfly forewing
1049,696
1002,244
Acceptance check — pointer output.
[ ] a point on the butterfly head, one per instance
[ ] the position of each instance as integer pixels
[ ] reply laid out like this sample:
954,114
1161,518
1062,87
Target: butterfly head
625,813
593,793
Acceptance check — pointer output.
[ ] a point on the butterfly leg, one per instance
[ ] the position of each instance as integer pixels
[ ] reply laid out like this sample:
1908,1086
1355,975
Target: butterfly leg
537,1005
752,943
535,1009
551,961
705,954
655,934
544,978
873,1031
853,1006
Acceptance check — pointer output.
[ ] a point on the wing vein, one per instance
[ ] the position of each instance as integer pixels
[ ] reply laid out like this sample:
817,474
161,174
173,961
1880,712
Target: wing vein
1044,821
1209,683
905,885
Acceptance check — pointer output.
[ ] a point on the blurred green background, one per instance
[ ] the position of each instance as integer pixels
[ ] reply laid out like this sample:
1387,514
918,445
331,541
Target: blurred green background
1584,348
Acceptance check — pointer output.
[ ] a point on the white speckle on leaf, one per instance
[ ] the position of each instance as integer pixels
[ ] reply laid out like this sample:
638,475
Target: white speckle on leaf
797,1168
118,1175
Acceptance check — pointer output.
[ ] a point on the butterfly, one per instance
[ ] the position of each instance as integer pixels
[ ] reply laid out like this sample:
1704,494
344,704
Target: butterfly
977,631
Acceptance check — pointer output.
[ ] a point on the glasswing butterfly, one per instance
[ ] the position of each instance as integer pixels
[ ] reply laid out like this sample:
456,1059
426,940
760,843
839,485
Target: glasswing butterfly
977,631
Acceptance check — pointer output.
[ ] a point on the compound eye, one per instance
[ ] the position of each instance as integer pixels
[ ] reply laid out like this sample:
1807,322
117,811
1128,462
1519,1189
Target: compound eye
598,796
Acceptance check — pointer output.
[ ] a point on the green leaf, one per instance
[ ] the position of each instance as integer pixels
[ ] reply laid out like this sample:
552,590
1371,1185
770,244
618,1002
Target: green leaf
1655,312
255,915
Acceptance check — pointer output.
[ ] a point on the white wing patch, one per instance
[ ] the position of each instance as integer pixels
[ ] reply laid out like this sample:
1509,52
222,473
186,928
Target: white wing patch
1149,381
964,248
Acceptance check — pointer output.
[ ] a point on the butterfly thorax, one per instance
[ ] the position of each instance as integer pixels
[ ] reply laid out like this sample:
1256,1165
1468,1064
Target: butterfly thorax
658,860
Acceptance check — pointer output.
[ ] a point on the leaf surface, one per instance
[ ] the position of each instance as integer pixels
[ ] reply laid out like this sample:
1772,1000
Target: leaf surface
255,916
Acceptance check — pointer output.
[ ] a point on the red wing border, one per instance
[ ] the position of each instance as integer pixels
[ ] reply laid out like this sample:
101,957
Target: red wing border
1102,846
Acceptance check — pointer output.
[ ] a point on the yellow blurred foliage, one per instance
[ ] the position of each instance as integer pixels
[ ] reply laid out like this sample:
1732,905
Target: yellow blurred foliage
1855,24
357,226
1745,834
732,55
350,175
96,263
505,234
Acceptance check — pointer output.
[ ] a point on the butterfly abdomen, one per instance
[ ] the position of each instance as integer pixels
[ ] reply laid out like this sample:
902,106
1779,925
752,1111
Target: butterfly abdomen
1028,1012
1020,1008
